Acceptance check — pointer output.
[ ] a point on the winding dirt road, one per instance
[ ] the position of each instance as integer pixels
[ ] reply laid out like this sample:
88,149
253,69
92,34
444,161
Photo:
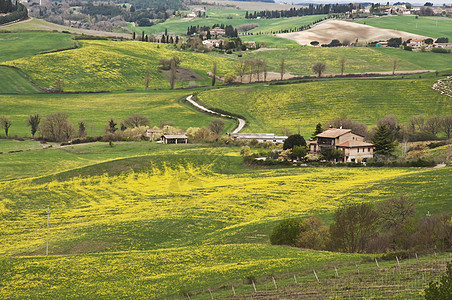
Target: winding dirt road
242,122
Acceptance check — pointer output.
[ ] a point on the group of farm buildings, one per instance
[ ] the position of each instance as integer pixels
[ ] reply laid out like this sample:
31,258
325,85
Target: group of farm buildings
353,146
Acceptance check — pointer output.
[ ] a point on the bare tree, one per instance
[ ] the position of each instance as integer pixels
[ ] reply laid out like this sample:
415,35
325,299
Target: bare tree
394,64
250,68
356,127
56,127
319,68
59,86
433,125
282,68
33,121
137,120
216,126
446,125
416,123
391,123
173,74
147,79
240,68
394,213
342,65
5,123
265,70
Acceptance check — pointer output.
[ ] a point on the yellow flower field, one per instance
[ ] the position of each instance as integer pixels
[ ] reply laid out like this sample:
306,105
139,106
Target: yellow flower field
112,65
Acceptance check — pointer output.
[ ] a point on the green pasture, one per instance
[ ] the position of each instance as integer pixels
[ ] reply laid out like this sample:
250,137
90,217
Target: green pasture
271,108
12,81
180,218
117,66
434,27
270,41
25,44
178,25
96,109
299,60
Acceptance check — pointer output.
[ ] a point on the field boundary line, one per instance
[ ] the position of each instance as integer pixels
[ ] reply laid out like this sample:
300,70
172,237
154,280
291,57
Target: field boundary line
241,122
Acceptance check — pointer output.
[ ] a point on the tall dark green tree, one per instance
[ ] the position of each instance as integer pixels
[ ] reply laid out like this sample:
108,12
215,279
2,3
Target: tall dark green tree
383,140
33,121
318,129
294,140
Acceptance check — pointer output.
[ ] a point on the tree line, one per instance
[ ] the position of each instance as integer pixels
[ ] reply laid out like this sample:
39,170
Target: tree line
321,9
388,226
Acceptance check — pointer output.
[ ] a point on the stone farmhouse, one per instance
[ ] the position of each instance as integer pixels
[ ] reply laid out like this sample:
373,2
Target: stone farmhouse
352,144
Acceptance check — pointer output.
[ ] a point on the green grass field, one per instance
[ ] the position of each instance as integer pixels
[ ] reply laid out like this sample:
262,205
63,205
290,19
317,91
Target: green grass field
180,218
270,108
96,109
434,27
14,82
114,65
178,26
299,60
26,44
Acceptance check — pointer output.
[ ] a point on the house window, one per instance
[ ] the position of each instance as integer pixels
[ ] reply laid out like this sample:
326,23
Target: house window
368,149
358,150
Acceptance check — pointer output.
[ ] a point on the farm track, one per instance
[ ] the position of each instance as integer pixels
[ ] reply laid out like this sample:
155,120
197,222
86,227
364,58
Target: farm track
240,126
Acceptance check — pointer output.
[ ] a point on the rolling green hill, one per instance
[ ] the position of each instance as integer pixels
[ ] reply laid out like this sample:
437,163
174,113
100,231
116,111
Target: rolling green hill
434,27
270,108
12,81
179,218
26,44
299,60
115,65
96,109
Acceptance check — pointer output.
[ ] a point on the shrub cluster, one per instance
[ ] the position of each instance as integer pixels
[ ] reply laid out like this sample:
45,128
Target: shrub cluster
390,227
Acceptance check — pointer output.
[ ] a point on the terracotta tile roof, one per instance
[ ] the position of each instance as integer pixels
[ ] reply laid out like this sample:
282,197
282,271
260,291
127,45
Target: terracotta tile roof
333,133
354,144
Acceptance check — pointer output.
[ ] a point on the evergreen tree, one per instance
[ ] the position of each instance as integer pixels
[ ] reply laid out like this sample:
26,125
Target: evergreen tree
383,141
318,130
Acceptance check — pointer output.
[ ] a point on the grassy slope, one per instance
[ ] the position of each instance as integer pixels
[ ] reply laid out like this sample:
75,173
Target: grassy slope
193,207
177,25
113,65
427,26
270,108
13,82
25,44
299,60
95,109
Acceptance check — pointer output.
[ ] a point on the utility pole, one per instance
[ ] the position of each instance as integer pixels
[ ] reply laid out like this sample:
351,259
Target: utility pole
47,244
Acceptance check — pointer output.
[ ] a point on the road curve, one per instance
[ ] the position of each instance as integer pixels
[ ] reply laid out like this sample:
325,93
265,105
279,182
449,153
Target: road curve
242,122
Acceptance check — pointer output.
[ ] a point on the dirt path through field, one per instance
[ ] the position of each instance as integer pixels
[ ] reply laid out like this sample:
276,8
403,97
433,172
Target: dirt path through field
242,122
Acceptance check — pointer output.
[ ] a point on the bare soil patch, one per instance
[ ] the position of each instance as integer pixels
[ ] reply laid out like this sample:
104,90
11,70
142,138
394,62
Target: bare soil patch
342,30
253,5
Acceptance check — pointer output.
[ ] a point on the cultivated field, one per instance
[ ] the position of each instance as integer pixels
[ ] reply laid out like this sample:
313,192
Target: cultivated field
114,65
181,220
299,60
325,32
157,106
12,81
434,27
26,44
270,108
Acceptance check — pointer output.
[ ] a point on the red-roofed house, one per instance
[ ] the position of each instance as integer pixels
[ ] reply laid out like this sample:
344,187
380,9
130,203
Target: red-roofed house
352,144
